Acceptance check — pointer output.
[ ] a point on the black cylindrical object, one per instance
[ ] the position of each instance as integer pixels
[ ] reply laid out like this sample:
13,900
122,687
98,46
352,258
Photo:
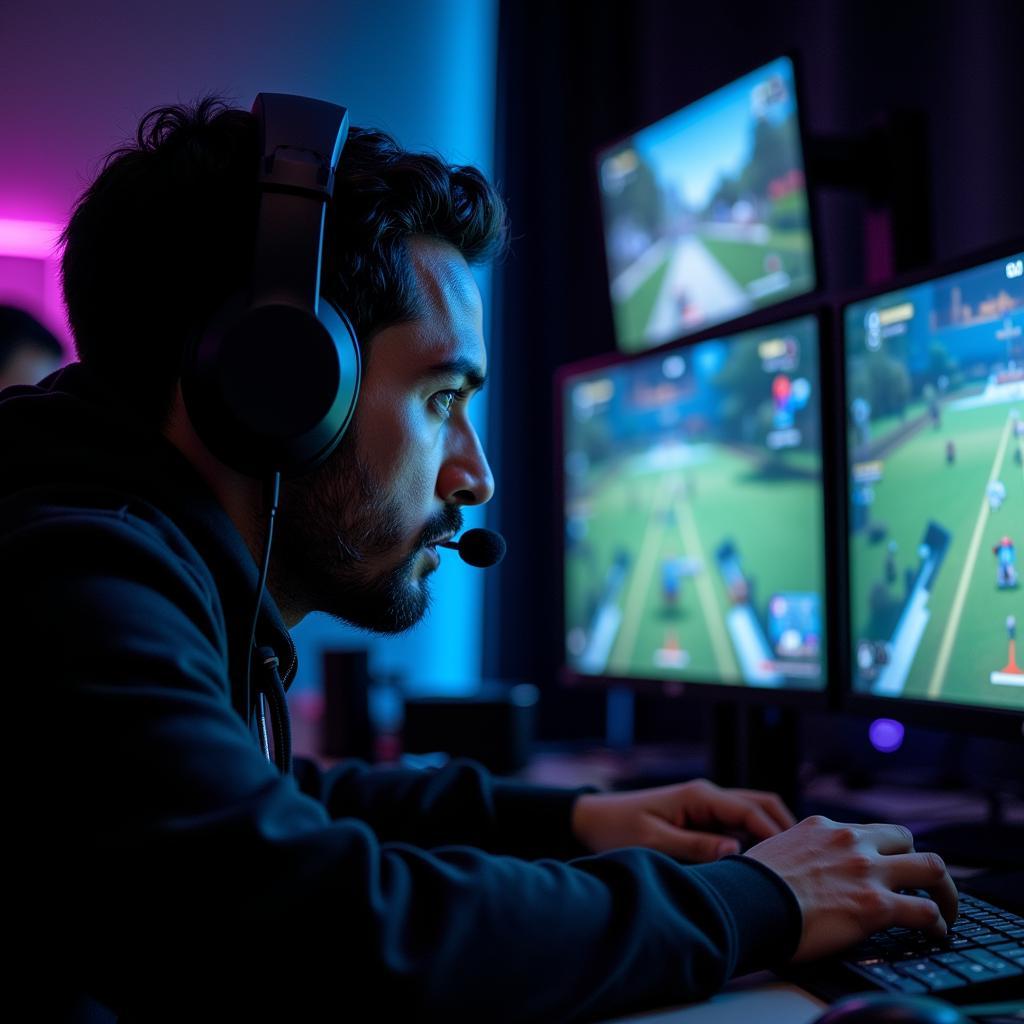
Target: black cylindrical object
346,731
493,726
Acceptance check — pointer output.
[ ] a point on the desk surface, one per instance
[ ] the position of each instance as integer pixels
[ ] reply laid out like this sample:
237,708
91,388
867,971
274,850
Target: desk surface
759,997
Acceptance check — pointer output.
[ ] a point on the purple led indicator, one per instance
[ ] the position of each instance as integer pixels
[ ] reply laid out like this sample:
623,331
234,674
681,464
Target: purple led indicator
886,735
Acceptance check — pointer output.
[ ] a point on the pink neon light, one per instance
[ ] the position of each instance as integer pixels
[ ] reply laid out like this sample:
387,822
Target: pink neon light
35,240
31,239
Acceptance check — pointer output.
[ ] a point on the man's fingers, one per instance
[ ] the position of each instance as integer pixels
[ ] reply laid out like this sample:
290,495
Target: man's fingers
759,824
772,805
923,871
915,912
888,838
699,847
733,810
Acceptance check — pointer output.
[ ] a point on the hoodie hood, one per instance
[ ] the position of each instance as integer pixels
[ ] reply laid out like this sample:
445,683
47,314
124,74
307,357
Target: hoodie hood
65,438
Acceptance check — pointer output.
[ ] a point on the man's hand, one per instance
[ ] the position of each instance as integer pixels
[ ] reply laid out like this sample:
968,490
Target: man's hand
846,879
685,821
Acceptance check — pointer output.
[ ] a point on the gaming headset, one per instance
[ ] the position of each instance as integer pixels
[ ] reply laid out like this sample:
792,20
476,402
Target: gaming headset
271,383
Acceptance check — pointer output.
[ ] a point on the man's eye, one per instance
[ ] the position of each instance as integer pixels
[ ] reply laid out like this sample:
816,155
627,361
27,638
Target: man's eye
443,401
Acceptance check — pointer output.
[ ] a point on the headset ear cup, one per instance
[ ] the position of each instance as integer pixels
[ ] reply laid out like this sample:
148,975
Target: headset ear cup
272,388
346,344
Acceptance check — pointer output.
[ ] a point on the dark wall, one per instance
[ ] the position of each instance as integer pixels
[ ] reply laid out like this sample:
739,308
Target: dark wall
573,77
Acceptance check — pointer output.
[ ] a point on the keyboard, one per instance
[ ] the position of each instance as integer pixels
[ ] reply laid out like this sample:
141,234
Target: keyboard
980,960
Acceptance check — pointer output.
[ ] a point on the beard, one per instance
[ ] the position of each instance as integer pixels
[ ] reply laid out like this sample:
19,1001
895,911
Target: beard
332,526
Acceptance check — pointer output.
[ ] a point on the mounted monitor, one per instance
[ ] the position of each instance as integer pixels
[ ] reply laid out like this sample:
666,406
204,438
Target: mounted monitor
705,213
934,391
694,513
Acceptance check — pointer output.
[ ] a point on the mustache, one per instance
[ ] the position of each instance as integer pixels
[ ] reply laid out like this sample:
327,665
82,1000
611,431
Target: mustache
448,521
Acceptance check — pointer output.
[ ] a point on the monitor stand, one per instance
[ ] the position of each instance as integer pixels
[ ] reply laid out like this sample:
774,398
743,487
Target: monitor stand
646,768
750,747
757,747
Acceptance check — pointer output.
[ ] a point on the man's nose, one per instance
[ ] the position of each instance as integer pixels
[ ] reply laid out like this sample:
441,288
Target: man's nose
465,477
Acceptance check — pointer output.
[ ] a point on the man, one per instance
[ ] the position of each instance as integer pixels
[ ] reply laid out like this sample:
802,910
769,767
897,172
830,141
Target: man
28,351
172,872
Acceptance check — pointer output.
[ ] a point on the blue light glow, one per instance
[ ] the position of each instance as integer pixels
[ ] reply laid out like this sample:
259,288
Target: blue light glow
886,735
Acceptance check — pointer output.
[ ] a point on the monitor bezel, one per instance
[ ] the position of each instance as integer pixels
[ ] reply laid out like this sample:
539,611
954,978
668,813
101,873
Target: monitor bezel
976,719
713,691
775,310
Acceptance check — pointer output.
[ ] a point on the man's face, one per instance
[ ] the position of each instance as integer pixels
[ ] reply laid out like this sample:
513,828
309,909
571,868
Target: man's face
354,537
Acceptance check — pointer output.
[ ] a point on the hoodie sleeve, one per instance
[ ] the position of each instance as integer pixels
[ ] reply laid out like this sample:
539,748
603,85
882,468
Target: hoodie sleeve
459,803
166,866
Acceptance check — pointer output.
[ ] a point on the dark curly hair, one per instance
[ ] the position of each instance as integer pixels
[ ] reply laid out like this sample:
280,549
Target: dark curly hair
167,232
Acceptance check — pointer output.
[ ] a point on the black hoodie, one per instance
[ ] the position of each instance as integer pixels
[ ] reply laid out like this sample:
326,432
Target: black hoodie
166,867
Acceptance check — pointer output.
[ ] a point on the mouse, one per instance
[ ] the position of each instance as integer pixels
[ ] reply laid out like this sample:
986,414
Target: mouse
888,1008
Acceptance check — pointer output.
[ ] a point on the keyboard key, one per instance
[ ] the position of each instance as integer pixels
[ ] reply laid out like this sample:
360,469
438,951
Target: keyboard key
882,973
929,974
994,963
914,967
909,985
973,971
939,981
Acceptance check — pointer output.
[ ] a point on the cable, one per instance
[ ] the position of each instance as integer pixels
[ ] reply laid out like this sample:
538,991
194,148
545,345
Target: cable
272,495
261,722
274,699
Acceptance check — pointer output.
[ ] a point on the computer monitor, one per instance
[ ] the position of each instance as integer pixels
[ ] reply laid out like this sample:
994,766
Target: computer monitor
705,212
934,395
693,511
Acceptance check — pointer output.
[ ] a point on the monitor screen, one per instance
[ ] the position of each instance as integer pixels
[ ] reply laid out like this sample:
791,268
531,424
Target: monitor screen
935,403
693,513
705,213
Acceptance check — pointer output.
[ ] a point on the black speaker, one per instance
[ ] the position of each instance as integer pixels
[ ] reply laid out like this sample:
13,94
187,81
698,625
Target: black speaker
346,730
493,726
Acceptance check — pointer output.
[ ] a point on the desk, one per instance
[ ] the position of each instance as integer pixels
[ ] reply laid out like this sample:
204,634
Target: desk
758,998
